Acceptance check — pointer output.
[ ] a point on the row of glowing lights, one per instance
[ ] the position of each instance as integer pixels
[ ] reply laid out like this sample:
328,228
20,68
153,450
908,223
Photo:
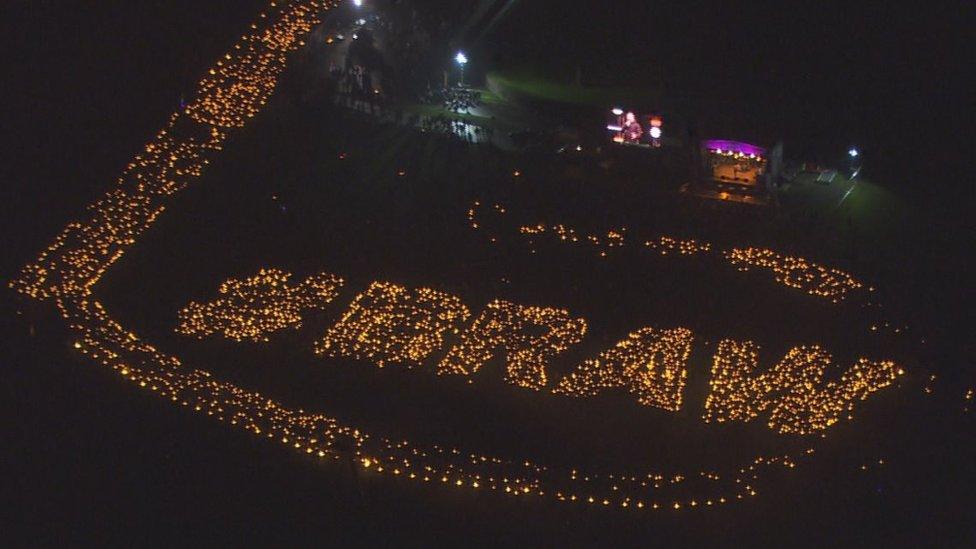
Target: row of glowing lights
736,154
794,272
615,238
241,83
389,323
232,93
317,434
314,434
78,257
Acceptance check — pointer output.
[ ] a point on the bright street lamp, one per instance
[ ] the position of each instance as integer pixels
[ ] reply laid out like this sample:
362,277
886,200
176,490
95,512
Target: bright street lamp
357,3
462,60
853,154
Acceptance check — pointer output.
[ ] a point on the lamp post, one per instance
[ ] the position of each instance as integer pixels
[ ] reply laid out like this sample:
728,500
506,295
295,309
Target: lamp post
853,154
461,60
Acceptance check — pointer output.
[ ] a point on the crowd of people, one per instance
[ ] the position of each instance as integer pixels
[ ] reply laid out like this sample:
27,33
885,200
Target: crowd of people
456,99
383,85
466,132
357,88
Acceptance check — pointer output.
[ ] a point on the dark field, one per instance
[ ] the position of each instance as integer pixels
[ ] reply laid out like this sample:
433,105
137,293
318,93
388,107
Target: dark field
310,188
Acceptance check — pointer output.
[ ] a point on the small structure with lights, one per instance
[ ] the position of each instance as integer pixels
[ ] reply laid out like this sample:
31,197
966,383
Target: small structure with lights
733,162
736,171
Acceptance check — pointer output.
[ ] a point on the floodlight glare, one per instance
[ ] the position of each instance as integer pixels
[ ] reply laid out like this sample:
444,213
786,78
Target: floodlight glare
656,132
357,3
853,153
461,58
617,111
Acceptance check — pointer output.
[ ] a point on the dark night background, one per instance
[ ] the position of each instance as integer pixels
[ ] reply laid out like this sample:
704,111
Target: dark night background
86,83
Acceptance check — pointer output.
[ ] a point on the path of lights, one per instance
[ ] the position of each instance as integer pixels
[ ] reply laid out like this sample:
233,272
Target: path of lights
69,269
794,272
241,83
